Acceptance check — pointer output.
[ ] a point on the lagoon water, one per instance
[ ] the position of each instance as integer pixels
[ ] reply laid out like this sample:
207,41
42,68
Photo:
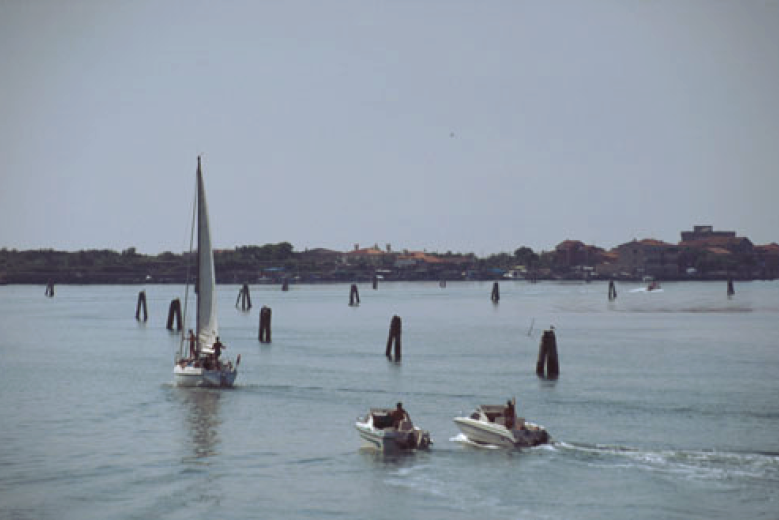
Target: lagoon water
667,405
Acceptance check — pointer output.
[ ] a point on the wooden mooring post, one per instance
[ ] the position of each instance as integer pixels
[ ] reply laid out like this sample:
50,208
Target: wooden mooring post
612,291
547,356
244,298
395,332
442,284
495,297
285,284
49,289
141,305
354,296
174,312
731,290
265,316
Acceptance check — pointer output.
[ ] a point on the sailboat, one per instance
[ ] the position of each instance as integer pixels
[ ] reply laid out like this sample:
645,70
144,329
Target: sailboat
199,361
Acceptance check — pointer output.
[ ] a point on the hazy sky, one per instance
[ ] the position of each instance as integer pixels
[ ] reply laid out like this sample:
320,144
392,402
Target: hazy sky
462,125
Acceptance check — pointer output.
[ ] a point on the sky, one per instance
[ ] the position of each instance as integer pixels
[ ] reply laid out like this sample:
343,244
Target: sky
438,125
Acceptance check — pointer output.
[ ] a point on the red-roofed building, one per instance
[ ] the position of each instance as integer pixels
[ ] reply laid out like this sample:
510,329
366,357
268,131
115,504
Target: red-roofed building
739,245
767,258
371,255
701,232
573,253
649,257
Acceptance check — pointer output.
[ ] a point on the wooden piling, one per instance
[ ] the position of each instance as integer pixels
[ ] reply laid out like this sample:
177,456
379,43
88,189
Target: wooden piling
354,296
141,306
265,316
612,291
395,332
174,312
375,282
49,289
495,297
548,360
731,290
244,298
442,284
285,284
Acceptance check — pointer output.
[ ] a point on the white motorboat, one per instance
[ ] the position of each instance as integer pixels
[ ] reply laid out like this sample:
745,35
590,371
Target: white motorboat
487,425
378,430
199,361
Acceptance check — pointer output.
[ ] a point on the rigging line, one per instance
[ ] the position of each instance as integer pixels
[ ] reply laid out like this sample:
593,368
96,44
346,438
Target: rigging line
189,269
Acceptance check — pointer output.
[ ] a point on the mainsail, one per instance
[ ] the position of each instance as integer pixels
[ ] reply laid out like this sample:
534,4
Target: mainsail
207,326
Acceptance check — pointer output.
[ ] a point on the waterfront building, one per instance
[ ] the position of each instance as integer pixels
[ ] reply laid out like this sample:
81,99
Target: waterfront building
648,257
705,232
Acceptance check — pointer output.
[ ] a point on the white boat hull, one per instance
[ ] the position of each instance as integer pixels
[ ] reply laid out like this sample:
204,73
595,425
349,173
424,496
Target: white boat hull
498,435
485,433
199,376
390,439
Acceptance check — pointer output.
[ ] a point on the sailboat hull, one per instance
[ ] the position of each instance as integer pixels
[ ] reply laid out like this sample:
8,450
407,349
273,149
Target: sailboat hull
198,376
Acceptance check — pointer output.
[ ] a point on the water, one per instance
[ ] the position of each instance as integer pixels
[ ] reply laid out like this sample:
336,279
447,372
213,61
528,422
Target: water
667,405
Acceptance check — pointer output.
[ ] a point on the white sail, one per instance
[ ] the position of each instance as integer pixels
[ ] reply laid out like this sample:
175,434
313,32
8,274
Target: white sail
207,326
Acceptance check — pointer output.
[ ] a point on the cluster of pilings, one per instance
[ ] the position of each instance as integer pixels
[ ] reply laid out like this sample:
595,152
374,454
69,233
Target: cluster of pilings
265,316
49,290
174,314
141,306
395,332
244,298
548,364
354,296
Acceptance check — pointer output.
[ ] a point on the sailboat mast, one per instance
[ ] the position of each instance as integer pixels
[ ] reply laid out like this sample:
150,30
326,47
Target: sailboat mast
197,263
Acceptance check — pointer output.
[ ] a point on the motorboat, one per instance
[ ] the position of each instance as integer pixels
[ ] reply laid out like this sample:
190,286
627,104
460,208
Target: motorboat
487,425
378,430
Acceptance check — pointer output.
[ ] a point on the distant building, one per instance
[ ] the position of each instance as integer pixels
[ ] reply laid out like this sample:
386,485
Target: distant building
319,254
732,244
371,255
572,253
648,257
705,232
767,258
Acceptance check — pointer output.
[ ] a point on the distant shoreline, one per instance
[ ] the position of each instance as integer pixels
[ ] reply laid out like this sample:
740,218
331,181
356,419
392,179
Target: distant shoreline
277,263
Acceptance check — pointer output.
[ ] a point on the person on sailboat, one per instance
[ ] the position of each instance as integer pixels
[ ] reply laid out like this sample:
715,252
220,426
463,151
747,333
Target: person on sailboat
217,350
192,345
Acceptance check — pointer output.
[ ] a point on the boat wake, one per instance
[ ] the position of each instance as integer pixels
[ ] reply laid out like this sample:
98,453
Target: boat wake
462,439
697,465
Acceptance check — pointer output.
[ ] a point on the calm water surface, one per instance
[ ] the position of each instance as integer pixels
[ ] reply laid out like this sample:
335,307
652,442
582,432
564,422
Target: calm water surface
667,405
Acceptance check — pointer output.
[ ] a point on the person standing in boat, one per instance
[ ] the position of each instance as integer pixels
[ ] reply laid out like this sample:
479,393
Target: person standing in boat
192,345
399,415
510,415
217,351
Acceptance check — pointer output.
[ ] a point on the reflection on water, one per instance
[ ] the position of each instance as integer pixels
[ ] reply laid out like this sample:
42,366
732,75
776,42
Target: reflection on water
201,408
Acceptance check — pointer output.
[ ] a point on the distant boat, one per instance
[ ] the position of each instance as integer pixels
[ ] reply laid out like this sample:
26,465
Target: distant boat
378,430
199,361
487,426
